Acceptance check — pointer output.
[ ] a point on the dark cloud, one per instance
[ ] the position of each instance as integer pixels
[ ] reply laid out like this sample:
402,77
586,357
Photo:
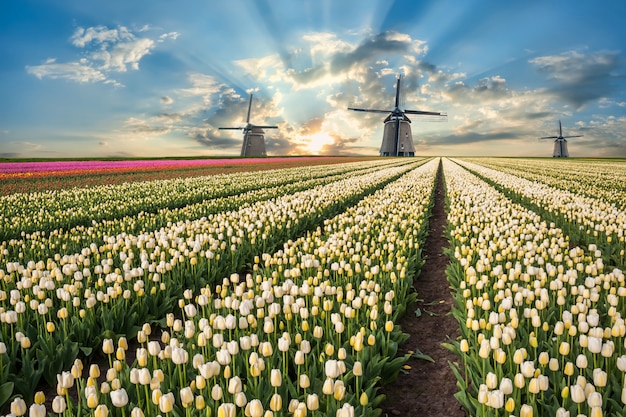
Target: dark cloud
282,146
580,78
10,155
486,89
346,147
211,141
386,43
473,137
536,115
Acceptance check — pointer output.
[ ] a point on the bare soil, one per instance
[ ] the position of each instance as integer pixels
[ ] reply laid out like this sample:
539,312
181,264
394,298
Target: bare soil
427,389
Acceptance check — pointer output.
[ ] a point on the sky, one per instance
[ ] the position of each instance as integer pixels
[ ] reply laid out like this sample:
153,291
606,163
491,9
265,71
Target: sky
157,78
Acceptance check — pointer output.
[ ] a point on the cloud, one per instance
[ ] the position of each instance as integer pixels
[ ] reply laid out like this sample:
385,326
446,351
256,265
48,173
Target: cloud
166,100
580,78
106,51
123,55
79,72
150,127
472,137
205,86
488,89
386,42
207,138
99,34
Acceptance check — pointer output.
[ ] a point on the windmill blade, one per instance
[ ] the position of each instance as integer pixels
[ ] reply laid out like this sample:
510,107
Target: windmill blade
549,137
249,107
264,127
231,128
370,110
428,113
575,136
398,92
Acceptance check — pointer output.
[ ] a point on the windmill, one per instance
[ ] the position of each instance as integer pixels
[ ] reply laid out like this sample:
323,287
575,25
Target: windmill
560,144
397,137
253,139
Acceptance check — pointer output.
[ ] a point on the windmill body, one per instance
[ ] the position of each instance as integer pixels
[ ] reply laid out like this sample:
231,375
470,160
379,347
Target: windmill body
253,142
253,136
405,137
397,135
560,143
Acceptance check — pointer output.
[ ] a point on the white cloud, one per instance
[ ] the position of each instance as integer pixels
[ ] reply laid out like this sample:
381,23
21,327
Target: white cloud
73,71
123,54
99,34
202,85
170,35
106,51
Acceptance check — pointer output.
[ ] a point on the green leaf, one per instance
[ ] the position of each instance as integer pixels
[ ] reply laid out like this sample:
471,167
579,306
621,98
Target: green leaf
418,312
422,356
6,390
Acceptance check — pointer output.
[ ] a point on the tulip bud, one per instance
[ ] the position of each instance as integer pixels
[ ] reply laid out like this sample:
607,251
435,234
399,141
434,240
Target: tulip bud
526,411
577,393
276,402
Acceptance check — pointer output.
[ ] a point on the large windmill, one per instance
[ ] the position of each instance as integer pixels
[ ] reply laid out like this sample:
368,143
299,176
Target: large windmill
253,136
560,144
397,137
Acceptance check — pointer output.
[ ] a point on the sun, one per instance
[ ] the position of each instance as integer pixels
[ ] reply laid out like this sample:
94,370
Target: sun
317,142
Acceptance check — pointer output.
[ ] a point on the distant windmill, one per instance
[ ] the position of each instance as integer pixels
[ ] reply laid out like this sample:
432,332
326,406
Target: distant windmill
253,136
560,144
397,137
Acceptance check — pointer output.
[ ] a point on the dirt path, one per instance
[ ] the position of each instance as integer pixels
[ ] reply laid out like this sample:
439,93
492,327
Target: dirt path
428,389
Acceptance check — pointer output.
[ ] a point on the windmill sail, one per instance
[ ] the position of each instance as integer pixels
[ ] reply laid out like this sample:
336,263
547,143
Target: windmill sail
397,136
253,136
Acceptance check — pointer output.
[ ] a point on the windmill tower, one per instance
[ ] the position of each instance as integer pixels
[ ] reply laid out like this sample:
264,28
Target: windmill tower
253,136
397,136
560,144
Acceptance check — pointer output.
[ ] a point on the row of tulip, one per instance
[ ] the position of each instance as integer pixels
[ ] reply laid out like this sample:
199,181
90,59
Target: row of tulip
53,309
46,244
82,178
32,167
593,178
586,219
309,331
541,322
46,211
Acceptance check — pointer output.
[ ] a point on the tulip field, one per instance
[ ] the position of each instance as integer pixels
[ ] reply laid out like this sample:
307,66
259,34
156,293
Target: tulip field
277,293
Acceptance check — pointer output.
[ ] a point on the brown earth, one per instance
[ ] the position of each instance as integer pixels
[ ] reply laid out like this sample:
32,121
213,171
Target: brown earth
427,389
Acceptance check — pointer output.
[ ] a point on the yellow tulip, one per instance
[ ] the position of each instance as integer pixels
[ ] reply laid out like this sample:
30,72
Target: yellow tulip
255,408
18,407
107,346
101,411
526,411
40,397
509,406
276,402
166,402
226,410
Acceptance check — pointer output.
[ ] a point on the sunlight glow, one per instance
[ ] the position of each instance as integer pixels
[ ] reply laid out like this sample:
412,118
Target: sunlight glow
317,141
